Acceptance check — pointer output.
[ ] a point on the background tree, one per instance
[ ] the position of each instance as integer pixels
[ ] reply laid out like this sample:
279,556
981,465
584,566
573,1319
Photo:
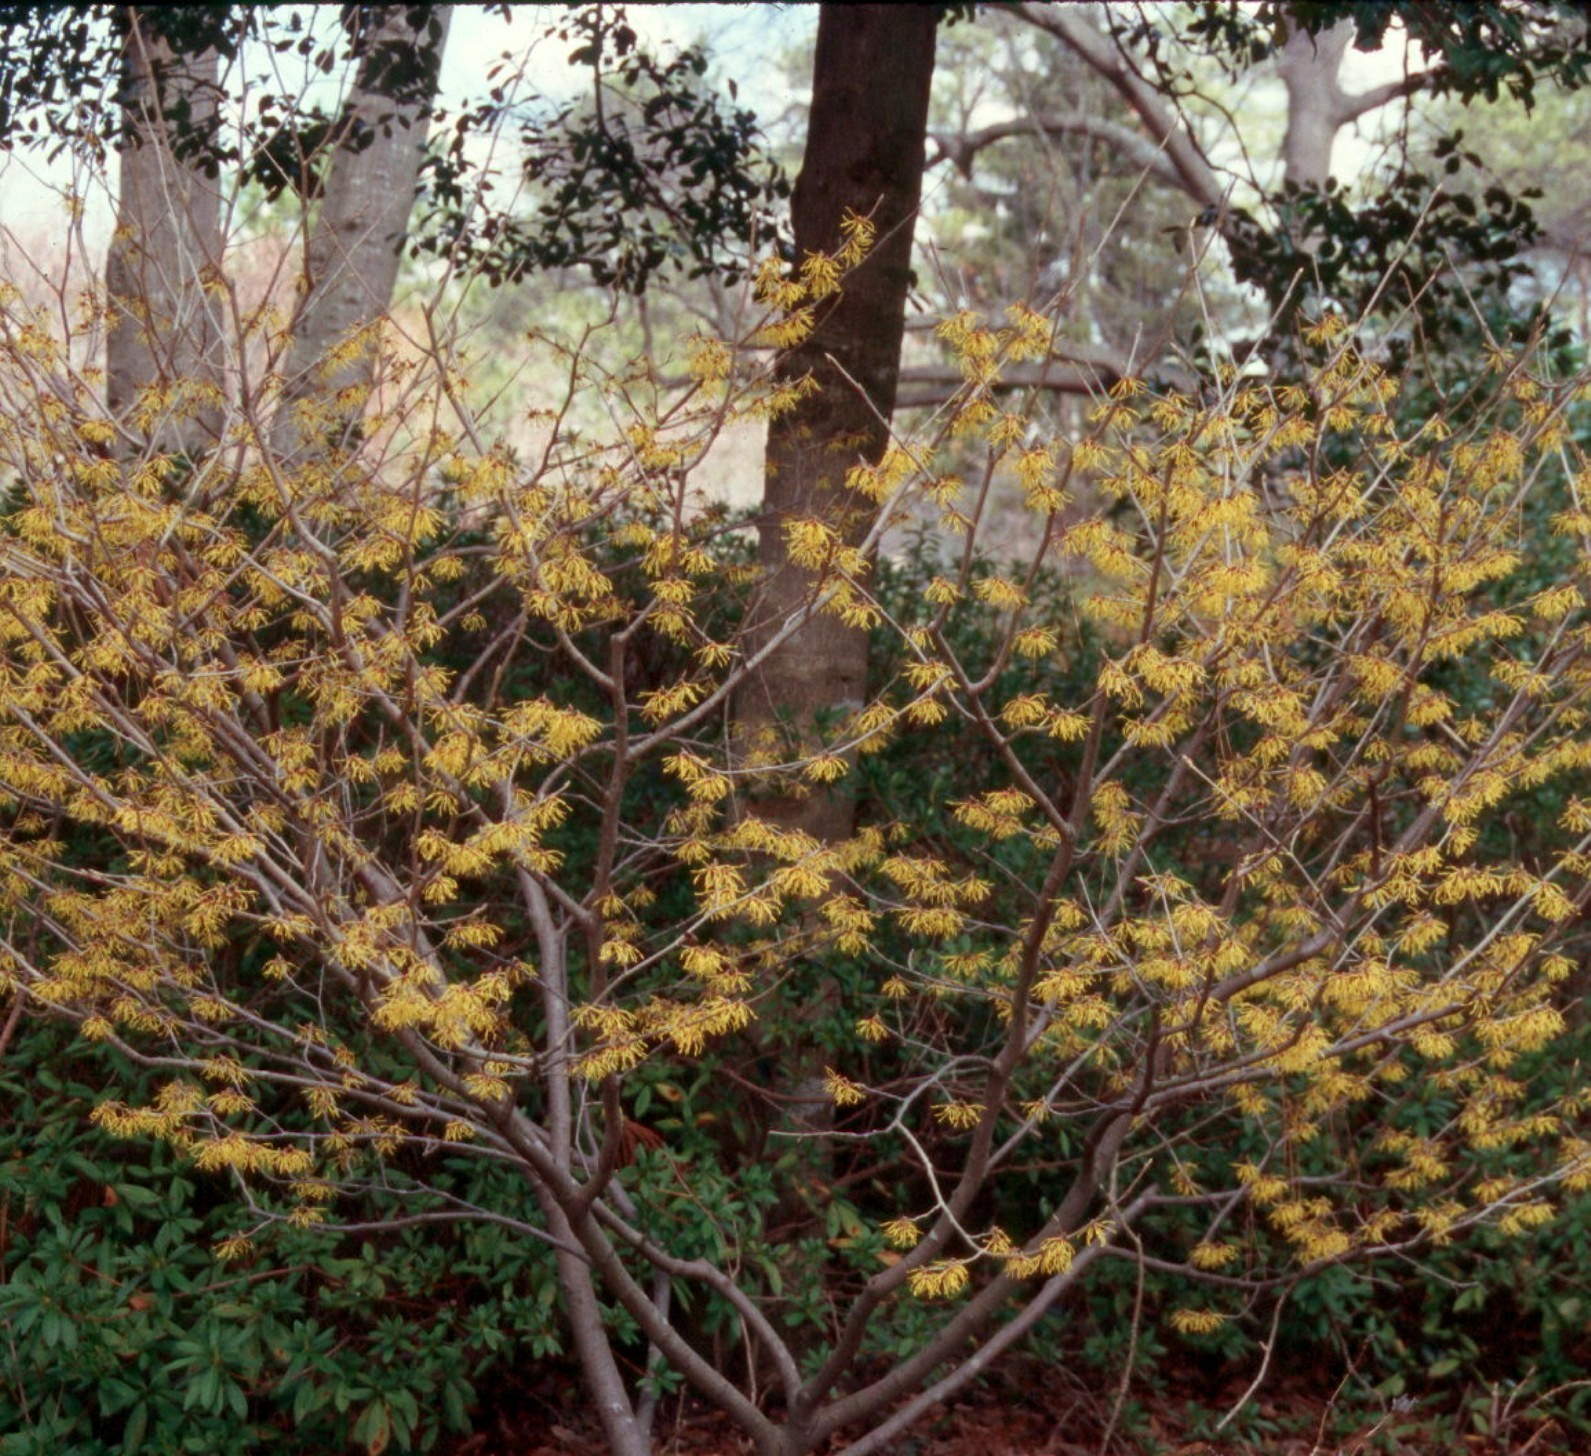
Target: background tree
1307,239
168,239
370,161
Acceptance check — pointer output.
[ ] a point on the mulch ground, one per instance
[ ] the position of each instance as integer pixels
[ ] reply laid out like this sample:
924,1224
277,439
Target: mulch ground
1033,1410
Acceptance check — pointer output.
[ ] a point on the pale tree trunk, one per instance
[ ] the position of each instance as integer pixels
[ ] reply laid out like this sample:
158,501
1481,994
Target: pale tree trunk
623,1430
162,347
351,261
1317,106
1309,66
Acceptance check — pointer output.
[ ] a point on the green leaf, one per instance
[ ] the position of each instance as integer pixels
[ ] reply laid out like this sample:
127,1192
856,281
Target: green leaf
456,1396
374,1428
308,1399
135,1195
134,1431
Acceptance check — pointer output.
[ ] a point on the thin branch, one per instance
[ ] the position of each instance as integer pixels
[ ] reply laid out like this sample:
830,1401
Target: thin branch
13,1018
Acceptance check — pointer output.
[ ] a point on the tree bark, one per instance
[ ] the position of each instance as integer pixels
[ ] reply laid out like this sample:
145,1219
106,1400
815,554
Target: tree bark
865,154
351,261
598,1365
1309,66
162,348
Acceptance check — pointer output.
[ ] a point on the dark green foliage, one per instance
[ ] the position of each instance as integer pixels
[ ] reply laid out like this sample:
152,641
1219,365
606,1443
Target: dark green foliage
1391,255
61,74
653,174
1474,48
649,175
121,1331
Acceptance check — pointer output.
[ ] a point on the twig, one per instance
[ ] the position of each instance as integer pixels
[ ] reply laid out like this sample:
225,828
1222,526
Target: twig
1125,1384
13,1018
1265,1365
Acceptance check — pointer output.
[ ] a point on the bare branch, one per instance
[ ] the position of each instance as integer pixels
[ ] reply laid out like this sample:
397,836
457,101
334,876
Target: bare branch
960,149
1167,132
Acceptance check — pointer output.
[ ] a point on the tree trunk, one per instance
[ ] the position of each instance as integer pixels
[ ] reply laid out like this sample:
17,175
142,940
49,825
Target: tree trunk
351,262
865,152
594,1349
1316,105
162,348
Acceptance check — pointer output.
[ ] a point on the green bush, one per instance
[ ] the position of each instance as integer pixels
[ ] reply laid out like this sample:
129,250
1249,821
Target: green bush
122,1331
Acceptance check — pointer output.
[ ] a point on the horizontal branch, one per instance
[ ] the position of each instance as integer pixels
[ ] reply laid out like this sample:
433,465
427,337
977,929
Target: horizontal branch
960,149
1361,103
1091,375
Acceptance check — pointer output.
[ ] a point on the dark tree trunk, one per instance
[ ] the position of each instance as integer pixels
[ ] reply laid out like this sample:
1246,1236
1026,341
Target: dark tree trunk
1316,104
864,154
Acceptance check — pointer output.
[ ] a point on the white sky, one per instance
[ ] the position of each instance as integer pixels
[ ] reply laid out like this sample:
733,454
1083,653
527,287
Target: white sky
746,42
